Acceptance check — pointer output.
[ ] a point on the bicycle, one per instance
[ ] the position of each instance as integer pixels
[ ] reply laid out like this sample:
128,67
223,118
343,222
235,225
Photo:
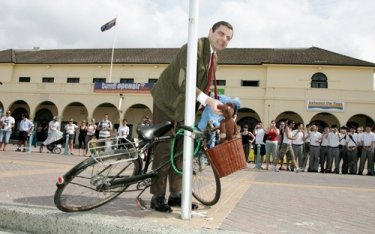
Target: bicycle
115,167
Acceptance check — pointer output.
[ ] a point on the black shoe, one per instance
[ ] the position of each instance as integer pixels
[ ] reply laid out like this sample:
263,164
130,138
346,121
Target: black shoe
176,201
24,150
18,150
158,204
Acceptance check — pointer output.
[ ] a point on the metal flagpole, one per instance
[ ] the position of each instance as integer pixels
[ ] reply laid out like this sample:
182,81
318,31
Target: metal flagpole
191,72
113,51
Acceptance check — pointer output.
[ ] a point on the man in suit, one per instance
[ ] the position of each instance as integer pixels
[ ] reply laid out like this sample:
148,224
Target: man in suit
169,105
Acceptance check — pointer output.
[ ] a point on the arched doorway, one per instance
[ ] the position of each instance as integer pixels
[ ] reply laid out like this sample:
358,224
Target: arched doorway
247,116
18,108
76,111
41,120
107,108
135,115
322,120
359,120
289,115
16,114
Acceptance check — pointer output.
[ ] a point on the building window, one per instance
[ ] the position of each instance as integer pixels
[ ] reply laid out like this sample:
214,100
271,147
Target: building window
152,80
250,83
72,80
24,79
98,80
126,80
48,80
221,82
319,80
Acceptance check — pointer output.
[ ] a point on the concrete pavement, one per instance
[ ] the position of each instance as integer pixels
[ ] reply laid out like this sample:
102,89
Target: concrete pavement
252,201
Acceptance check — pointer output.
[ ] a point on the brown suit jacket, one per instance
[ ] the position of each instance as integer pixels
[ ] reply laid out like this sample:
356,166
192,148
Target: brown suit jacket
169,91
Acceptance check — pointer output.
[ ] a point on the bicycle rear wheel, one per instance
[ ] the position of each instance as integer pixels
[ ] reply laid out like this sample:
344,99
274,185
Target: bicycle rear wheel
206,182
80,188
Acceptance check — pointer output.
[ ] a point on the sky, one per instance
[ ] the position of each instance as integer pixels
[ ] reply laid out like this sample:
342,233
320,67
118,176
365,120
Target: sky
343,26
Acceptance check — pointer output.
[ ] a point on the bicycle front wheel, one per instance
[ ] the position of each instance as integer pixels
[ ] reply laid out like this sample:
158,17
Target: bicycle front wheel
206,182
80,188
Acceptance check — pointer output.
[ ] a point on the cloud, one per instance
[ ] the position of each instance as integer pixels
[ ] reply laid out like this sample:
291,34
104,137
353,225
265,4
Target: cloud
342,26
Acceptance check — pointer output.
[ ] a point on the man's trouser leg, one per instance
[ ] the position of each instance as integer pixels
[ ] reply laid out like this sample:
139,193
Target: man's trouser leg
330,157
362,161
162,154
370,163
280,154
344,156
314,156
323,157
352,161
306,151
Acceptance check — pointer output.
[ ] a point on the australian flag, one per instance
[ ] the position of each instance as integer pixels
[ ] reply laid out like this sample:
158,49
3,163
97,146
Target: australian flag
108,25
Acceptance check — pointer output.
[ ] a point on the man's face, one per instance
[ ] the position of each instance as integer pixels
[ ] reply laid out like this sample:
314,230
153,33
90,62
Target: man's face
220,38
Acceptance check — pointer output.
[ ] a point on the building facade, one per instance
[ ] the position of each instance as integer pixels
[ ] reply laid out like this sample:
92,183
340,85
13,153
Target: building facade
308,85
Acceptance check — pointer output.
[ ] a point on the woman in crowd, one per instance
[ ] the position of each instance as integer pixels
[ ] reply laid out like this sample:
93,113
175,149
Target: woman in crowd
271,142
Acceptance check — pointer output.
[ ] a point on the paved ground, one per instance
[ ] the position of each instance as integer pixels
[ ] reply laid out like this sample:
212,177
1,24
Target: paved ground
252,201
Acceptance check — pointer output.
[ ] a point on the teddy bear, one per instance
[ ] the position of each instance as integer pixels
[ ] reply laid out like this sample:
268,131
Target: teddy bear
228,127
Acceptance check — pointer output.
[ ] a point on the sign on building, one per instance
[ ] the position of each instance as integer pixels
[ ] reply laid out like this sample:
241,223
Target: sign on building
122,87
327,106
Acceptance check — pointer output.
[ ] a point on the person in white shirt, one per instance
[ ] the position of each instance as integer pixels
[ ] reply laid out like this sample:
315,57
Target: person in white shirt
105,126
123,131
6,125
91,129
351,146
286,147
359,143
315,140
70,130
368,141
53,129
343,154
306,147
324,150
259,133
298,144
25,129
334,151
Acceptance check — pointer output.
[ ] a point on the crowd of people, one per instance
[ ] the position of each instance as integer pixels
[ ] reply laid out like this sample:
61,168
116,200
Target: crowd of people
53,132
344,150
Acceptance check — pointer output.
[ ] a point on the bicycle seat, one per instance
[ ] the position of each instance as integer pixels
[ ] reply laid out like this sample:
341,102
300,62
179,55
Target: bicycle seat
148,133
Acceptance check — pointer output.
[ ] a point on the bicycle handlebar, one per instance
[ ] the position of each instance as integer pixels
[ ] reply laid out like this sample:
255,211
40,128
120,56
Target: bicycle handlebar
192,129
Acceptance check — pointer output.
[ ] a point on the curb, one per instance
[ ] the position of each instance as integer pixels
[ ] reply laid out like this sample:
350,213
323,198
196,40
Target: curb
33,219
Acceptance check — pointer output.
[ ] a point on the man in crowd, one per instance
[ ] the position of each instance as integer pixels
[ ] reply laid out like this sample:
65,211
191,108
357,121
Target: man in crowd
315,140
351,146
25,129
6,125
368,141
324,151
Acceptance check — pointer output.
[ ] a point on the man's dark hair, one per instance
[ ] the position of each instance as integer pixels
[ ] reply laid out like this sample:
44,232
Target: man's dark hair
224,23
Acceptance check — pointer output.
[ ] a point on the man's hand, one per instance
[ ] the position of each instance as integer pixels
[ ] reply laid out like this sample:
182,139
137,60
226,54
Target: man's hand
213,103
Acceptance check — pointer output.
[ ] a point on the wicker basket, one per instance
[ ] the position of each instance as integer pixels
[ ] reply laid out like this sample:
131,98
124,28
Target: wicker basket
227,157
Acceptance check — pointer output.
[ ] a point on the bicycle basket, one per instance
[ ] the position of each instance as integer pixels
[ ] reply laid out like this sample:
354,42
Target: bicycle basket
227,157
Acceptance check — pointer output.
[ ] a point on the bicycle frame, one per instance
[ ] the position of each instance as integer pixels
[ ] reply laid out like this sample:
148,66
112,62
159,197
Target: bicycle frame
145,174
